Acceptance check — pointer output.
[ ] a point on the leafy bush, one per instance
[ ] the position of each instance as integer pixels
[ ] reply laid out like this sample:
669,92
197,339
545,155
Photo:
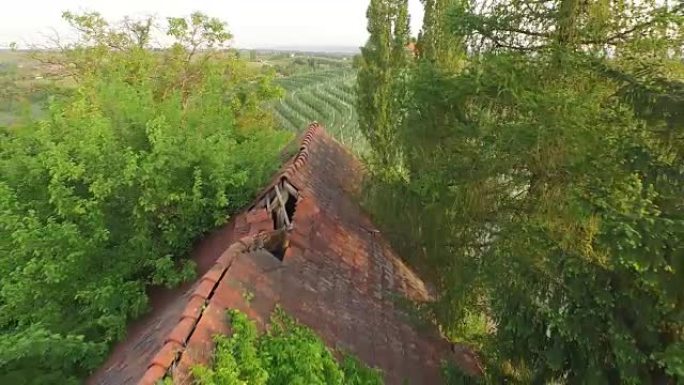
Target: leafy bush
287,354
147,151
543,190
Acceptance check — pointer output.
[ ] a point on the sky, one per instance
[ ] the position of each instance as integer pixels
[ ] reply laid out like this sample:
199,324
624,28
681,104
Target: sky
254,23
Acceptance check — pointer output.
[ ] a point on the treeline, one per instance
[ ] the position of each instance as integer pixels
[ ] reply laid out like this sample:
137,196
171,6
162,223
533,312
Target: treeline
143,152
528,157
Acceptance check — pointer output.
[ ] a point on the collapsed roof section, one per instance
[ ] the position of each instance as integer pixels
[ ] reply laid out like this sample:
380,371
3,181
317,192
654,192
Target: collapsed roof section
306,246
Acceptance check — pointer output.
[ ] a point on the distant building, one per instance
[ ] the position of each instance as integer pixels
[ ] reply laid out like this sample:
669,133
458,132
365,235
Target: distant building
412,48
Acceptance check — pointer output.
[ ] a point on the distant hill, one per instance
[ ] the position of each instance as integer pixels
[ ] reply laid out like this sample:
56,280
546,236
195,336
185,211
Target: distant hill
344,50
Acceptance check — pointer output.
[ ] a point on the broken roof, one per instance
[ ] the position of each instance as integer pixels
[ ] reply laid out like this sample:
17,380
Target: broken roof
335,274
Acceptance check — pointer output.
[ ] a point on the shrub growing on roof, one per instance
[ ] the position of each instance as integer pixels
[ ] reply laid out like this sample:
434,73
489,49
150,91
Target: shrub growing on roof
288,353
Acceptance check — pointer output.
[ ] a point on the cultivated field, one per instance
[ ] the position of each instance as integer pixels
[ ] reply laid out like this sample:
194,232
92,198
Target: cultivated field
327,97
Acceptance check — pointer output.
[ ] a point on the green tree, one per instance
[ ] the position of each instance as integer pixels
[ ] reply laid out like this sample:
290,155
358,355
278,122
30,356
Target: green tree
143,153
544,189
382,77
437,43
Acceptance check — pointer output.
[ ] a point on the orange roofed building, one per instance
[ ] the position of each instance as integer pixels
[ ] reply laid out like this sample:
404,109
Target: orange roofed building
327,266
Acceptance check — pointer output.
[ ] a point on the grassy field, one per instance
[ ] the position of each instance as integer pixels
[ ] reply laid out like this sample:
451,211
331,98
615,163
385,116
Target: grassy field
13,57
319,87
20,81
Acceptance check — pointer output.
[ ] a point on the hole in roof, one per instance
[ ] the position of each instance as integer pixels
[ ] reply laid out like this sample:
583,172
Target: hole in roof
281,202
291,207
279,253
277,245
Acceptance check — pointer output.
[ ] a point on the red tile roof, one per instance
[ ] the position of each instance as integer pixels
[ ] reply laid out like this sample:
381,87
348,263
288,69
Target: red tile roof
412,48
338,276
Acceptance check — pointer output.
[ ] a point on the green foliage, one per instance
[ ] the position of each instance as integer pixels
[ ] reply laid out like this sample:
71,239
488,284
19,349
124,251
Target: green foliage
453,376
49,354
544,188
148,151
287,354
382,77
436,43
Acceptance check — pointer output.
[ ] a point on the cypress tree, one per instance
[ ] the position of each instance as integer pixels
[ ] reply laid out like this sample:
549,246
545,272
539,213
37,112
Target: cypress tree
437,43
381,77
401,34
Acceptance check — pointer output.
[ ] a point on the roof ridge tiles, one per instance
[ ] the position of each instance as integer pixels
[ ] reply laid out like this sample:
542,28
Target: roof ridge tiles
176,341
290,170
303,155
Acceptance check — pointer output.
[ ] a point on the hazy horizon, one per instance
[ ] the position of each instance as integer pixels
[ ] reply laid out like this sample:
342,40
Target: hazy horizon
259,24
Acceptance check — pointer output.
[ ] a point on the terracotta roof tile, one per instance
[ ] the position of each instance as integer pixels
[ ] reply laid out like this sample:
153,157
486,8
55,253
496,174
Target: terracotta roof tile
194,308
167,354
204,289
182,331
152,375
215,273
338,276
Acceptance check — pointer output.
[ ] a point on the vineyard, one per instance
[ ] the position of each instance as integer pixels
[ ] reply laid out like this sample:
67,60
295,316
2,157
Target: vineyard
324,96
